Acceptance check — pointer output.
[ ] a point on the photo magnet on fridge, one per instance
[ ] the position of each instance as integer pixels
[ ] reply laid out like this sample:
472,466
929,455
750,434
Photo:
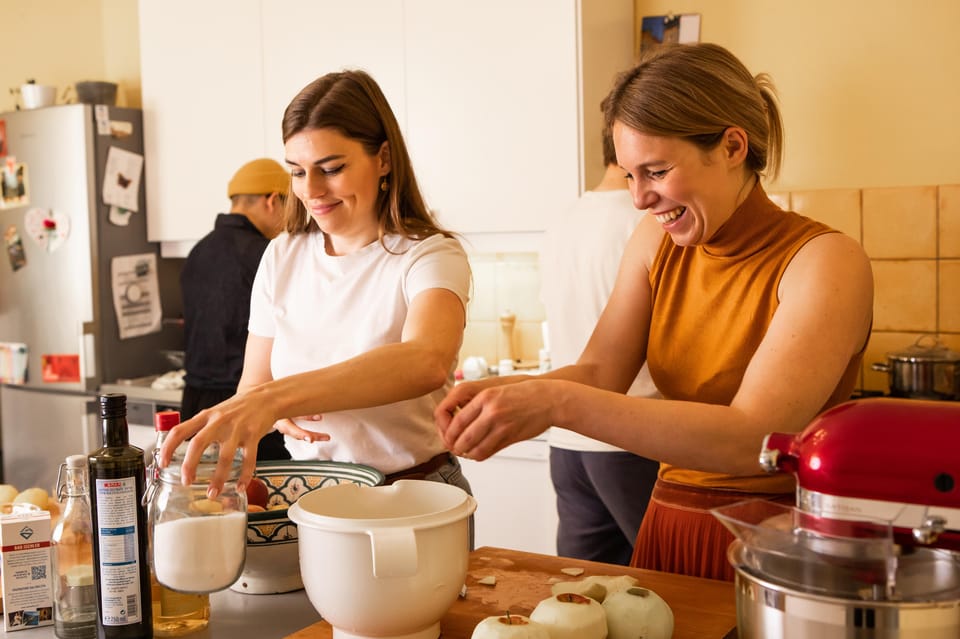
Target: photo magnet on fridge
11,237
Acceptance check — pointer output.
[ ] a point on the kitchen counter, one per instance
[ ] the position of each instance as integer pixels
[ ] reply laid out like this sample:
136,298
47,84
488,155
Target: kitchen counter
233,615
702,608
140,388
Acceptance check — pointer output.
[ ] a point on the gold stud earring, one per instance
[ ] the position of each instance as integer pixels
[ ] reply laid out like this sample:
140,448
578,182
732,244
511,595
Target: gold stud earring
384,184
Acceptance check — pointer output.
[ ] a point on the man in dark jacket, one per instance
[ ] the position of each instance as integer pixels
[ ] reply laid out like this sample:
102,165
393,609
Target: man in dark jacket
216,282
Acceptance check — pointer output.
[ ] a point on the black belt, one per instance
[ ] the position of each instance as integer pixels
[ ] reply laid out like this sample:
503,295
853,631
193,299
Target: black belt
420,471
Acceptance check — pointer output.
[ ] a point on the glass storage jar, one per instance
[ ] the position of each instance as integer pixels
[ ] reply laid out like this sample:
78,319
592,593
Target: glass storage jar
198,544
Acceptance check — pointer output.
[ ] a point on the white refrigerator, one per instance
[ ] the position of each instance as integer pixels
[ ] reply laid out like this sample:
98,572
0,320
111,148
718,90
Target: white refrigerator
82,291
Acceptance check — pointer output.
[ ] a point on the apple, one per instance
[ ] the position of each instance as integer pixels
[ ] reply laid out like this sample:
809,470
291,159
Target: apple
257,493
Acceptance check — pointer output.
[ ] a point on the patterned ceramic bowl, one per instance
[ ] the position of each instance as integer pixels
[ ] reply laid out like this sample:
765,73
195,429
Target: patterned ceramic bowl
273,562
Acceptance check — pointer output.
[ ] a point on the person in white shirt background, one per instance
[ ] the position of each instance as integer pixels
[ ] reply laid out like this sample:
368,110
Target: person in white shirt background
602,491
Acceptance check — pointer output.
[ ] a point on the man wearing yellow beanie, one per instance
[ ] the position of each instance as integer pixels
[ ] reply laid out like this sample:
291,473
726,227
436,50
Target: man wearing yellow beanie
215,283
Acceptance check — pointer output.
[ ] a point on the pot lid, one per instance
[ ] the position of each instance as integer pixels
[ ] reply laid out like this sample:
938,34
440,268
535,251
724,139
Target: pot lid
925,349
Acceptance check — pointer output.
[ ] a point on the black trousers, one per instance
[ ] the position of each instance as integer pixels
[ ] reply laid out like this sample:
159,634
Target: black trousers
196,399
601,500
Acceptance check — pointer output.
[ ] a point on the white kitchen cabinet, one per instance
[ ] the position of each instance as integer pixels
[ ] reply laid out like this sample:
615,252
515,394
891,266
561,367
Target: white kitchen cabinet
516,503
202,85
488,95
305,39
492,116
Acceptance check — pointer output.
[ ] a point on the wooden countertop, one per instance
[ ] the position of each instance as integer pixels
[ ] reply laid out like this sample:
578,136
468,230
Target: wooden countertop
702,608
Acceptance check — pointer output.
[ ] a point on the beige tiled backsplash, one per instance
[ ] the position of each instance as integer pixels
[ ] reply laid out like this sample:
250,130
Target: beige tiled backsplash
912,235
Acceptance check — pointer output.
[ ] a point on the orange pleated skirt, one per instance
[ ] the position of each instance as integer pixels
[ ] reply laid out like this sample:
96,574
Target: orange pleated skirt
679,534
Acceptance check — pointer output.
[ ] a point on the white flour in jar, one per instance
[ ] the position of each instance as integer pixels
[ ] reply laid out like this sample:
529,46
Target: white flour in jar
200,554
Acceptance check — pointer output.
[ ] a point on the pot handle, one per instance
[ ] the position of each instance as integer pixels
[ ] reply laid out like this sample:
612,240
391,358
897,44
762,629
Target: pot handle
883,368
394,552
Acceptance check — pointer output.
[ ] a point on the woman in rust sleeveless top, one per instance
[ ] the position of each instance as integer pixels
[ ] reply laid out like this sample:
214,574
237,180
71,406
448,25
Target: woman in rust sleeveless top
752,319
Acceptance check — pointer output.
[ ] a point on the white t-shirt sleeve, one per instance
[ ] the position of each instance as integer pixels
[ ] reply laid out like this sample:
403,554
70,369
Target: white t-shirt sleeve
262,320
437,262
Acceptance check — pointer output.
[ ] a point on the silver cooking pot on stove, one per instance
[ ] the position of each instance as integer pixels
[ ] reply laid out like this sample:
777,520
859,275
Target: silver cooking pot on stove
925,370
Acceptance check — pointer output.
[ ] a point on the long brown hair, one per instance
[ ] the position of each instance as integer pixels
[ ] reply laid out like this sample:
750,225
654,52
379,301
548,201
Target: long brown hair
695,92
352,103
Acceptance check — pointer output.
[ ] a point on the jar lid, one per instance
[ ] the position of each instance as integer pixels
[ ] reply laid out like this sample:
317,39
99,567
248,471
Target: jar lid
205,467
925,349
165,420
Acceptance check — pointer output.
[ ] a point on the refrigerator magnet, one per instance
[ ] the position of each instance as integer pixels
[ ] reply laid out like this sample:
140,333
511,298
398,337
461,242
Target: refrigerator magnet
119,216
121,129
49,229
121,178
13,181
11,237
60,368
13,363
136,294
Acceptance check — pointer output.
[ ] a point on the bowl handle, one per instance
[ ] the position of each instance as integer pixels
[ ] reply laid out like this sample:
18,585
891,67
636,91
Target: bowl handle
394,552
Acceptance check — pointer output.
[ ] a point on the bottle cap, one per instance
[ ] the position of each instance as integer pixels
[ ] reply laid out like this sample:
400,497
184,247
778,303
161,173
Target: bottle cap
113,405
164,420
76,461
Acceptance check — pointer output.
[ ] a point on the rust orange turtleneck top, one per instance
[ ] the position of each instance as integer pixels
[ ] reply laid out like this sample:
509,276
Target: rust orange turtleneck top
712,304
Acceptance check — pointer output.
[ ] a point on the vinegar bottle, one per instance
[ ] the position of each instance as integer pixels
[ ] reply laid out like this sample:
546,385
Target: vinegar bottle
74,595
117,484
174,613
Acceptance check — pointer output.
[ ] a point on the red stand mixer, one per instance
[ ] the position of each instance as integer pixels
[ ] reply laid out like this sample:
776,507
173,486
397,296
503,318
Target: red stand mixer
872,549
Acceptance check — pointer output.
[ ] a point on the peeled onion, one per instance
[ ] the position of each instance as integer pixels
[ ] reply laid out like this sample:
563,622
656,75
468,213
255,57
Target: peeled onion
509,627
571,616
596,586
638,612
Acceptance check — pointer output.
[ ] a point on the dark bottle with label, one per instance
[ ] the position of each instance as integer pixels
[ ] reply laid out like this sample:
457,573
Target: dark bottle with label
120,552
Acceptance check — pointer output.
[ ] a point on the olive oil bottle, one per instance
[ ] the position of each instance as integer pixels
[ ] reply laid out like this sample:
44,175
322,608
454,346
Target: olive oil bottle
121,568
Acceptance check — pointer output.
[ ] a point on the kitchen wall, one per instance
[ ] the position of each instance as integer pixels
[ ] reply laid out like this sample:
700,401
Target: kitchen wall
869,99
59,42
870,109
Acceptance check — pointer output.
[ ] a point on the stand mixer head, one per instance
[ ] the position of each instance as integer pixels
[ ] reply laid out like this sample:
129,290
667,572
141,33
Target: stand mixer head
895,460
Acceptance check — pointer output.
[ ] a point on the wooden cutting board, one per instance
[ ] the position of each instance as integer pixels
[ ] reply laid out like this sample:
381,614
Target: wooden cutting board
702,608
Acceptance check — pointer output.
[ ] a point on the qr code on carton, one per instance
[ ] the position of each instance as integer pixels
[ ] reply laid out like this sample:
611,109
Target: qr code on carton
38,572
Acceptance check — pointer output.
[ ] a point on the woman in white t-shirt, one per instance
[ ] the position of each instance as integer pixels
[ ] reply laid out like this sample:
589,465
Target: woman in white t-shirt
358,309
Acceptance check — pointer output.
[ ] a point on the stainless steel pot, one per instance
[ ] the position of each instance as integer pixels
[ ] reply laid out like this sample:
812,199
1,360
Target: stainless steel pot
928,606
925,370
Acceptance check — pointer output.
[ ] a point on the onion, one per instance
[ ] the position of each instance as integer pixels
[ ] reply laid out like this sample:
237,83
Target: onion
638,612
571,616
509,627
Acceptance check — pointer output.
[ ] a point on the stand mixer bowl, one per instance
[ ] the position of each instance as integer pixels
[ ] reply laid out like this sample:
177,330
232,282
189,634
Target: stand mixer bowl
770,609
384,561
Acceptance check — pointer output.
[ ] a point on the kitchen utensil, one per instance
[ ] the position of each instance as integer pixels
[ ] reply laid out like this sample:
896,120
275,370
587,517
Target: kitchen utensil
926,370
173,357
871,550
37,95
509,337
272,564
96,92
385,561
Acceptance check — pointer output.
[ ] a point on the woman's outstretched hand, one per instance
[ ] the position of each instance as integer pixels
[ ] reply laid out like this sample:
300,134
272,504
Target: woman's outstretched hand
236,423
477,419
